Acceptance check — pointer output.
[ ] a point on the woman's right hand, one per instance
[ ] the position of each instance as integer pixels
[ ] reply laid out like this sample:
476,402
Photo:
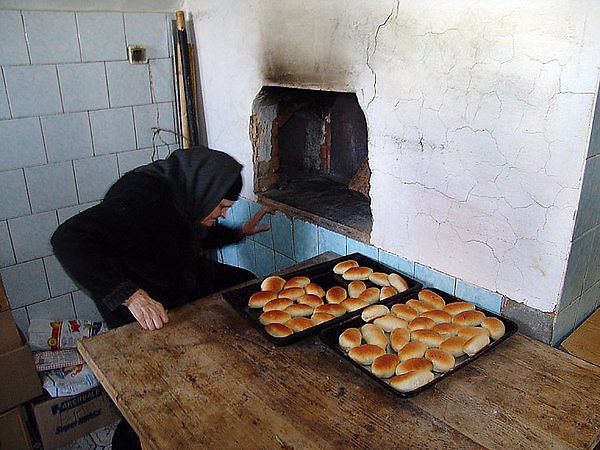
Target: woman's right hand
150,314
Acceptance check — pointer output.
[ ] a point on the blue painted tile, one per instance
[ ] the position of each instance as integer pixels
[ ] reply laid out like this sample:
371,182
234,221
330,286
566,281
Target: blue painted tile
388,259
102,36
230,255
398,263
283,241
367,250
264,238
406,267
112,130
31,235
32,90
147,117
58,308
21,319
11,30
51,186
587,303
592,275
13,200
85,308
128,84
564,323
67,136
21,143
588,212
265,260
331,242
4,109
83,86
25,283
305,240
246,256
594,148
283,262
60,283
149,30
65,214
579,258
52,37
483,298
130,160
162,80
432,278
241,212
94,176
7,257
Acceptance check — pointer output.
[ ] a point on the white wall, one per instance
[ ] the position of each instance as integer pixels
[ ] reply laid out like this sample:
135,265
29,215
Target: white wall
479,114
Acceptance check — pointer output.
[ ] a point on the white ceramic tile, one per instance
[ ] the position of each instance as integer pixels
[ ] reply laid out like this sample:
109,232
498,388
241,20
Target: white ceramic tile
7,257
58,308
25,283
32,90
94,176
131,160
65,214
85,307
51,186
102,36
149,30
11,30
161,73
31,235
67,136
112,130
21,319
21,143
52,36
83,86
13,200
150,116
60,283
128,84
4,109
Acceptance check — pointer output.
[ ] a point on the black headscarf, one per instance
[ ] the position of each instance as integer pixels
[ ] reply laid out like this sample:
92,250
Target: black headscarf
198,177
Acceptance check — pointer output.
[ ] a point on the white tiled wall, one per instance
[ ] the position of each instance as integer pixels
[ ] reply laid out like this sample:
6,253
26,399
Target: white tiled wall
74,116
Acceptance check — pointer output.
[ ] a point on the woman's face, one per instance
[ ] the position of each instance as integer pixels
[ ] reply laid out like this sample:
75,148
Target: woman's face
219,211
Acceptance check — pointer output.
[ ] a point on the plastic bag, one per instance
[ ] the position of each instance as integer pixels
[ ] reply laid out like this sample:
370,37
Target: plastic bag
68,380
49,335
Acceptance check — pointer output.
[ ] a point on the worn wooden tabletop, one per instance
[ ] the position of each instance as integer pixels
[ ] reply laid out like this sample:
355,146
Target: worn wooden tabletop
209,379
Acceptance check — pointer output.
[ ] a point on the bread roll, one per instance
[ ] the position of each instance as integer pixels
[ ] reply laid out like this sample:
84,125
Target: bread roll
274,284
365,354
468,318
370,295
355,288
292,293
384,366
310,300
412,350
421,323
397,282
410,381
399,338
442,361
357,273
438,316
314,289
379,278
374,311
336,294
299,324
299,310
372,334
469,332
476,344
390,322
432,298
413,364
274,316
341,267
494,326
447,329
454,345
299,282
458,307
387,292
428,337
321,317
335,309
353,304
405,312
278,303
260,299
350,338
419,305
278,330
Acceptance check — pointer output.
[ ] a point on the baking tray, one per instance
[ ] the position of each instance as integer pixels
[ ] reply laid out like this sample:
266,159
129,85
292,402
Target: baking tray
330,336
323,275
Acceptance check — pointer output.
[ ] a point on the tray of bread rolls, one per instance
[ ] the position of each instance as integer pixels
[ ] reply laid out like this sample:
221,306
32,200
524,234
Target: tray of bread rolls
410,345
302,303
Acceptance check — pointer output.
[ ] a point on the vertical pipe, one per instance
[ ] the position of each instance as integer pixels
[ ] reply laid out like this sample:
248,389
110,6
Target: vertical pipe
183,53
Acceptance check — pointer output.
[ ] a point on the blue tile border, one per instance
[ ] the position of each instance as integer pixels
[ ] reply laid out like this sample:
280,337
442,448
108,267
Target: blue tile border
488,300
330,241
367,250
433,278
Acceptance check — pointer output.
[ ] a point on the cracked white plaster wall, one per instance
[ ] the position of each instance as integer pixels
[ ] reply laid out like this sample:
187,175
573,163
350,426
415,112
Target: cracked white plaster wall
478,116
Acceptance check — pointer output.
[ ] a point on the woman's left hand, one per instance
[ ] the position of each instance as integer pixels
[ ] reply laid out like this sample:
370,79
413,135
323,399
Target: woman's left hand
253,226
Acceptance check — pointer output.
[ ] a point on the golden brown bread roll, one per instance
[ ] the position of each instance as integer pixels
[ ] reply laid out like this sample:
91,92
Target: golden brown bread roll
299,324
353,304
274,284
469,332
341,267
370,295
468,318
296,282
454,345
365,354
419,305
274,316
387,292
413,364
355,288
397,282
333,308
458,307
390,322
428,337
292,293
384,366
442,361
410,381
447,329
336,294
314,289
310,300
374,311
421,323
405,312
399,338
357,273
494,326
299,310
412,350
321,317
372,334
379,278
278,330
260,299
278,303
476,344
350,338
432,298
438,316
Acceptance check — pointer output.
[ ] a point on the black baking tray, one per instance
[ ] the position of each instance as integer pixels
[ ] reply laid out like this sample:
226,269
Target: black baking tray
330,336
323,275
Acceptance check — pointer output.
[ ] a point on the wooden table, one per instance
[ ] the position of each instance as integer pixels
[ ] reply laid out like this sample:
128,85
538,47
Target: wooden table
209,379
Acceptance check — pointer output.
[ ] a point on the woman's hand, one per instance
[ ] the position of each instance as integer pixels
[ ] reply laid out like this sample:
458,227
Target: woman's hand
148,312
253,225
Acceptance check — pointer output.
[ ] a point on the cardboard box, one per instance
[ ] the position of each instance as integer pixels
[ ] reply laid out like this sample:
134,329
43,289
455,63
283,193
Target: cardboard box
9,334
583,342
63,419
20,382
13,430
